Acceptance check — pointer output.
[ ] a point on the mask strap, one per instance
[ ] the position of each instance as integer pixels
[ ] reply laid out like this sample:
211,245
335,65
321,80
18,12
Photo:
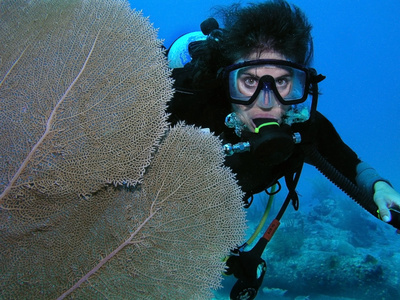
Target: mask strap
315,79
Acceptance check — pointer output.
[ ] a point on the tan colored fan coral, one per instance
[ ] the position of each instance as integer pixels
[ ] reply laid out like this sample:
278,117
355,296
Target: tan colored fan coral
100,199
84,92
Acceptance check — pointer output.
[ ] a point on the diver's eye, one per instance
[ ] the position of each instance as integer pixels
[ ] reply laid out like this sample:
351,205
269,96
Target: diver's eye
247,84
250,82
282,82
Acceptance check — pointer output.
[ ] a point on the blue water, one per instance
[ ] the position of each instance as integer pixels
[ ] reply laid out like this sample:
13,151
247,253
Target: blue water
357,46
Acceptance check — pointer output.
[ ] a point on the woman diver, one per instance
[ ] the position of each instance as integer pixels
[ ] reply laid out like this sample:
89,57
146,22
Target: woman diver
251,83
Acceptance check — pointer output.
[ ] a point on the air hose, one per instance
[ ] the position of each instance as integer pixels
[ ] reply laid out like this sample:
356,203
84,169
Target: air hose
348,187
337,178
248,266
264,217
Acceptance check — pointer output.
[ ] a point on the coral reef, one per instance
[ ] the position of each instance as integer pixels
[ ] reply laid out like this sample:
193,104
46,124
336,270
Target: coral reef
330,249
100,197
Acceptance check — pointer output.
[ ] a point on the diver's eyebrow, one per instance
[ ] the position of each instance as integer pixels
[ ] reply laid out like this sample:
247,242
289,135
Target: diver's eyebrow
247,73
289,70
285,72
289,75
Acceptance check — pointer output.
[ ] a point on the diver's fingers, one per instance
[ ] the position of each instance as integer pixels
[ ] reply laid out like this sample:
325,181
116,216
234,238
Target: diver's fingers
384,212
385,198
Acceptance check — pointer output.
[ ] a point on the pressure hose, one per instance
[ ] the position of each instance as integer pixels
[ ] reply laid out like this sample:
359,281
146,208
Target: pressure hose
329,171
342,182
353,191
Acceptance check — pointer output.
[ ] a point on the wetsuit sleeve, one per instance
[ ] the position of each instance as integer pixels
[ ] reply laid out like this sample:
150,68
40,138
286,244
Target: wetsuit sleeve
367,176
331,147
343,158
334,150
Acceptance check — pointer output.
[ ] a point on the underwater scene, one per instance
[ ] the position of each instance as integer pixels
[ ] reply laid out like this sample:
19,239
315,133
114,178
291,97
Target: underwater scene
330,248
104,194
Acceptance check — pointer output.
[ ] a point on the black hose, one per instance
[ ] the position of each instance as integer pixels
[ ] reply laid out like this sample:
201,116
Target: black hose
340,180
357,194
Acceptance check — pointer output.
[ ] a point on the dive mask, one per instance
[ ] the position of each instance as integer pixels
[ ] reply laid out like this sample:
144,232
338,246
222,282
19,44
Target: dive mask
288,81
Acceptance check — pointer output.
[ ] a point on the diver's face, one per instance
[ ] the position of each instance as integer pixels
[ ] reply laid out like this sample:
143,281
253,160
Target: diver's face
266,105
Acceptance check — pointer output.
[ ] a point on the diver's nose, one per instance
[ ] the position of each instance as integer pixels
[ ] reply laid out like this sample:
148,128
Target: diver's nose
266,98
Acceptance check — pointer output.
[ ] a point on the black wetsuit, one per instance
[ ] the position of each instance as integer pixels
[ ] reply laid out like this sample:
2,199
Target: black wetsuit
321,146
208,108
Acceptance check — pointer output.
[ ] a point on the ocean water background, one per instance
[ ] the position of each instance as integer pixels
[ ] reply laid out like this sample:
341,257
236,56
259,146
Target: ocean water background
357,46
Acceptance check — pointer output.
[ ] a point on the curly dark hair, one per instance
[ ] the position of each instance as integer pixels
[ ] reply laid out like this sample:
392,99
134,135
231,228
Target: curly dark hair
270,26
274,25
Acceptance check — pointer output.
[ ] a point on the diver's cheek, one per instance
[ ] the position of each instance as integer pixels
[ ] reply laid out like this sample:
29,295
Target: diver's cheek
242,112
283,110
245,118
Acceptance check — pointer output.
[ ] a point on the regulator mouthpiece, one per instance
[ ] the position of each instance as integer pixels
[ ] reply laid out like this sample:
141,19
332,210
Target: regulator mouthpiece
271,143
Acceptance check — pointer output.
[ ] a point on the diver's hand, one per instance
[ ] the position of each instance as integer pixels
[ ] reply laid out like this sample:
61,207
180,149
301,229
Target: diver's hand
385,197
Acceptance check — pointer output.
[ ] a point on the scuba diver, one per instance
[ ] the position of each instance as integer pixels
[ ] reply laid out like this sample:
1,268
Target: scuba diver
251,83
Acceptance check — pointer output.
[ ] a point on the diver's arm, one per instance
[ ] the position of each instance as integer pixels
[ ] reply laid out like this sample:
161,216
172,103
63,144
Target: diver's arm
330,145
377,188
381,191
361,173
367,177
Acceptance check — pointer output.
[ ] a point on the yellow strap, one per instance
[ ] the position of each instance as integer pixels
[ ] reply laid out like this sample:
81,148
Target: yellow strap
264,217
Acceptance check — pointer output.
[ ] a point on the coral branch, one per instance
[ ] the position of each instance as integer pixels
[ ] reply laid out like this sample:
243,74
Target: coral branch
49,124
107,258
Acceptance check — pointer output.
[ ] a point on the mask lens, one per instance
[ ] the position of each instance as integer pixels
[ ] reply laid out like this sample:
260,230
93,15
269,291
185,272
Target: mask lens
287,82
